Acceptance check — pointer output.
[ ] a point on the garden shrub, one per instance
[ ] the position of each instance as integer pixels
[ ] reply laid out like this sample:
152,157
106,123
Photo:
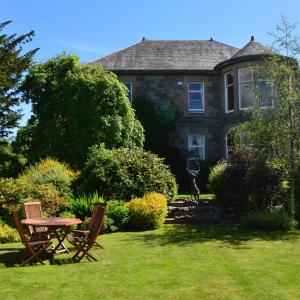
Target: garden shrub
10,163
82,206
17,191
8,234
216,180
247,183
124,174
148,212
51,171
268,221
117,216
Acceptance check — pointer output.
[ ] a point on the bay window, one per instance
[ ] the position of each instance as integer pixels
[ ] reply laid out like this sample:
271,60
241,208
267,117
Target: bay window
229,92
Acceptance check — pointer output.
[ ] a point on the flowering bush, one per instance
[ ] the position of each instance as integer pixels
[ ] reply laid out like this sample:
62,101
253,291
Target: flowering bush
8,234
51,171
148,212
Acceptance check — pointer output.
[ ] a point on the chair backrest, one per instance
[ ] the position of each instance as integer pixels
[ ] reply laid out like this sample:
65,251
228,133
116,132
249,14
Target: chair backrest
33,210
19,226
96,222
93,213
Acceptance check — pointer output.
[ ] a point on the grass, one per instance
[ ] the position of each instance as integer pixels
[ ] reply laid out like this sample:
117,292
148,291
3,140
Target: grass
202,196
174,262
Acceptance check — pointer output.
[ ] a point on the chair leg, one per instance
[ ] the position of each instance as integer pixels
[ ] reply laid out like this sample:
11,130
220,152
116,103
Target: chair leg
96,244
35,256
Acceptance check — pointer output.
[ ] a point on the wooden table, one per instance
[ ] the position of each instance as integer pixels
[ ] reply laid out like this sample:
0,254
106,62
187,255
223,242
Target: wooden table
58,226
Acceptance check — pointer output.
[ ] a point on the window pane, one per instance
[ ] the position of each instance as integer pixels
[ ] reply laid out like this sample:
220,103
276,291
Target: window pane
246,95
195,86
230,98
265,94
193,164
196,105
229,79
196,150
195,96
245,74
196,140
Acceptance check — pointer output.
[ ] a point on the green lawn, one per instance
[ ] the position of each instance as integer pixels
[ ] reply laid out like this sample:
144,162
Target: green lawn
202,196
174,262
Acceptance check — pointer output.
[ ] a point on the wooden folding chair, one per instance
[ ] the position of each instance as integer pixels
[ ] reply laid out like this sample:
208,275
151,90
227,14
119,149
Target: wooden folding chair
85,233
84,243
35,248
33,210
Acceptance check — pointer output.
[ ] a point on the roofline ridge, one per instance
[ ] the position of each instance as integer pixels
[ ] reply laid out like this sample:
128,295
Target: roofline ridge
209,40
114,52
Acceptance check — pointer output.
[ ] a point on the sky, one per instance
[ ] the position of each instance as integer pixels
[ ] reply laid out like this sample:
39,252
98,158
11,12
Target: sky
94,28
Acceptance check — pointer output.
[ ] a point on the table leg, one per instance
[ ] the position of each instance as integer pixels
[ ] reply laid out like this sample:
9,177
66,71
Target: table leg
60,235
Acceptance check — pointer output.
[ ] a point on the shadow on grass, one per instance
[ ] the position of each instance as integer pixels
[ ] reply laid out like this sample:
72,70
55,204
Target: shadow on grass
10,258
61,261
231,235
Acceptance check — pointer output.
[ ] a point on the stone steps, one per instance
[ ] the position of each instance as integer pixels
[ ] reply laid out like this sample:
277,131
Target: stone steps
193,211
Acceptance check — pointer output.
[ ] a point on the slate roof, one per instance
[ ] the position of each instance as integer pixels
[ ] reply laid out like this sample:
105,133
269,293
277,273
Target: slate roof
168,55
252,48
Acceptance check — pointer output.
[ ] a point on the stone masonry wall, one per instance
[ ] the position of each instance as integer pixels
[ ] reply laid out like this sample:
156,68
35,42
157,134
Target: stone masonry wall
164,88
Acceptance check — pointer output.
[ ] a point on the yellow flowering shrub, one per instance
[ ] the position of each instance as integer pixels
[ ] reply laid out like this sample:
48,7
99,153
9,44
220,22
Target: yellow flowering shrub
8,234
50,171
148,212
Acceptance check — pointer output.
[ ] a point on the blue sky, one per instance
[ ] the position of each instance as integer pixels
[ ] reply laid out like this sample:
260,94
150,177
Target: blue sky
94,28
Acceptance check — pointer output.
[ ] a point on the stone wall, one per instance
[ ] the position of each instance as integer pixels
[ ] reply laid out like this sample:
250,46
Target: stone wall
164,88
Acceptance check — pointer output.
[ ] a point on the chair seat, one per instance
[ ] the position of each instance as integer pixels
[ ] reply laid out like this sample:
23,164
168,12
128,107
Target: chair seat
34,243
80,232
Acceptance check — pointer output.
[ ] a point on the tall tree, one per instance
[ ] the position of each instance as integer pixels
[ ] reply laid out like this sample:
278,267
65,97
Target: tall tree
274,131
74,107
13,63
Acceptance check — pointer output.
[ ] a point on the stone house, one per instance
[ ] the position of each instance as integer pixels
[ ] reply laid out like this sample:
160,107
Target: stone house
206,81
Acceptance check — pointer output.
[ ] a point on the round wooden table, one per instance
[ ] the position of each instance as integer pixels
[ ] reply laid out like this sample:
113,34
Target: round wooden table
58,226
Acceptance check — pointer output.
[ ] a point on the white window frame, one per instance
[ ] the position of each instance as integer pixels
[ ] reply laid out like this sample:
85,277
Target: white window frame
226,146
226,93
129,82
239,87
197,146
196,91
265,106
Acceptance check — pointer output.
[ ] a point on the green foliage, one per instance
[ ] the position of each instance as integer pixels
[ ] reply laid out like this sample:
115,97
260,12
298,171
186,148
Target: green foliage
82,206
8,234
268,221
281,72
74,107
148,212
13,65
124,174
217,184
247,183
10,162
50,171
158,120
67,214
117,216
17,191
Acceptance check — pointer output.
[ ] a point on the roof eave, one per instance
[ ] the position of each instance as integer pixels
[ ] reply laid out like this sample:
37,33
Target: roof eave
139,71
238,59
